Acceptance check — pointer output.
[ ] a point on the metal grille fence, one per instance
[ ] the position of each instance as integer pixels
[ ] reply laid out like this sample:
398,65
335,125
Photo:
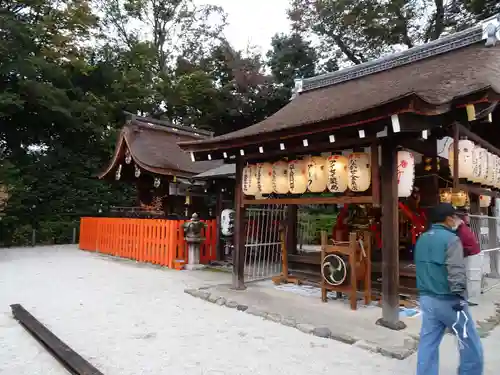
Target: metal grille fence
263,244
487,231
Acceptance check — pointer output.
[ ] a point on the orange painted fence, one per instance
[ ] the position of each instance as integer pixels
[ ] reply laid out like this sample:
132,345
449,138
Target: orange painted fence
145,240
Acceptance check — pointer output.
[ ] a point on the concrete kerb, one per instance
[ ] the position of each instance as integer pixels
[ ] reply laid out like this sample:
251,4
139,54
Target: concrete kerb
487,325
324,332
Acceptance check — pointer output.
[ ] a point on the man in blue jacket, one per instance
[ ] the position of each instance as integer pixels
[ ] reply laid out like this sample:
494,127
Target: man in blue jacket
442,284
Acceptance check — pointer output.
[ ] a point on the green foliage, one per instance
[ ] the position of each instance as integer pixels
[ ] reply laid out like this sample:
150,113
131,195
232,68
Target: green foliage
46,233
290,58
67,76
355,31
311,224
482,9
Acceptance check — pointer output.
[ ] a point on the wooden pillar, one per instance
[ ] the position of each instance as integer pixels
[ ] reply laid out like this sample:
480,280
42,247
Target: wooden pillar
493,239
219,250
390,238
239,232
166,197
291,231
375,174
456,133
474,204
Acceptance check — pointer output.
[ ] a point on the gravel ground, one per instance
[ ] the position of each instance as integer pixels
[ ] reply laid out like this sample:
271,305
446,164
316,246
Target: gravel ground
135,319
128,319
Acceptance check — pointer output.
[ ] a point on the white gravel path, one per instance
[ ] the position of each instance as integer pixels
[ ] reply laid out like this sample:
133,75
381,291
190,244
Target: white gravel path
130,319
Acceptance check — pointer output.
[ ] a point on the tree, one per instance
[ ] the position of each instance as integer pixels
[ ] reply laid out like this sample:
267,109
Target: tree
225,91
356,31
56,114
39,41
174,27
291,57
482,9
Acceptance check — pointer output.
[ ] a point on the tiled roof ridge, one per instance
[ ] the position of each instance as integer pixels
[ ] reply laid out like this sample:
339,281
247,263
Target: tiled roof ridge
486,30
168,127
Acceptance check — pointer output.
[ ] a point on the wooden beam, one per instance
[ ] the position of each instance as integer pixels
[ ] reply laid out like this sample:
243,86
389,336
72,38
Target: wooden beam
239,231
291,228
318,147
219,249
474,137
425,148
364,199
478,191
375,174
72,361
390,238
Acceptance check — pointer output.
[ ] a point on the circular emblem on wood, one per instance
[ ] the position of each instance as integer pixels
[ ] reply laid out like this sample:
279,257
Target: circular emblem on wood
334,270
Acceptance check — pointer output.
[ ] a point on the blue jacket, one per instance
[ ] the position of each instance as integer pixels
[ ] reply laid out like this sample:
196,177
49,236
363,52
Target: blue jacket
440,264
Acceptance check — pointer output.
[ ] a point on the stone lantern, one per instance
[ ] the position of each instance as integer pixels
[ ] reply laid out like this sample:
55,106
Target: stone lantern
192,236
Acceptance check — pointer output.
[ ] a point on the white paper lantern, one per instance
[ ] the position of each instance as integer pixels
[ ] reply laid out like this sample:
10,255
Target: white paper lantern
227,222
280,177
297,176
249,180
480,165
316,174
487,177
406,173
491,174
465,158
359,173
264,178
475,165
483,160
336,167
484,201
497,163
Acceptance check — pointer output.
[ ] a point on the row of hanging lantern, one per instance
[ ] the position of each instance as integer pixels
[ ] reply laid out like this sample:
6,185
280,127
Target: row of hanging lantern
316,174
476,164
137,174
461,198
118,173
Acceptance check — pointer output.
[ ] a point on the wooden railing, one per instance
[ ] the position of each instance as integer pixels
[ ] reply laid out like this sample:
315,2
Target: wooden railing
145,240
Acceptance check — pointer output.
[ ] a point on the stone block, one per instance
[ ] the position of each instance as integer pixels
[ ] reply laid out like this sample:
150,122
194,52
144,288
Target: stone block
396,352
256,312
289,322
232,304
273,317
212,298
367,345
221,301
322,332
342,337
242,307
304,327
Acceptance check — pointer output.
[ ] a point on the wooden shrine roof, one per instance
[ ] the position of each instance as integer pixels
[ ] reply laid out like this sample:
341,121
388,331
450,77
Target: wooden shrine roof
222,172
426,80
153,147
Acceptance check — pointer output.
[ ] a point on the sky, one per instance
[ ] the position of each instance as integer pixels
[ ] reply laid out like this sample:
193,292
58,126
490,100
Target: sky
253,22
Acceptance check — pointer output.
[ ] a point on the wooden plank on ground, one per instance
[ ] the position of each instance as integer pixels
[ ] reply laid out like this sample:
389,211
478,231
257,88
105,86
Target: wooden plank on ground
71,360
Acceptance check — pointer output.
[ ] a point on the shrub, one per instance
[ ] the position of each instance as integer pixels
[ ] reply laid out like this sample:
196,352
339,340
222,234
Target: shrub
46,233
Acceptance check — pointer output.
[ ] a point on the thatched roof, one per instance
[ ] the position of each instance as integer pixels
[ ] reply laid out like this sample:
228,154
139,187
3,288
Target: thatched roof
424,80
153,147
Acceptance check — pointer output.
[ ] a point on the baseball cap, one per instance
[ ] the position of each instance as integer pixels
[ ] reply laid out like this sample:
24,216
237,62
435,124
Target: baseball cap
440,212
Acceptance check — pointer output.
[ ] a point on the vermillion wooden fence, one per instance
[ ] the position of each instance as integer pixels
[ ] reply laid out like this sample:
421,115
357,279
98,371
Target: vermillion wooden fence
145,240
